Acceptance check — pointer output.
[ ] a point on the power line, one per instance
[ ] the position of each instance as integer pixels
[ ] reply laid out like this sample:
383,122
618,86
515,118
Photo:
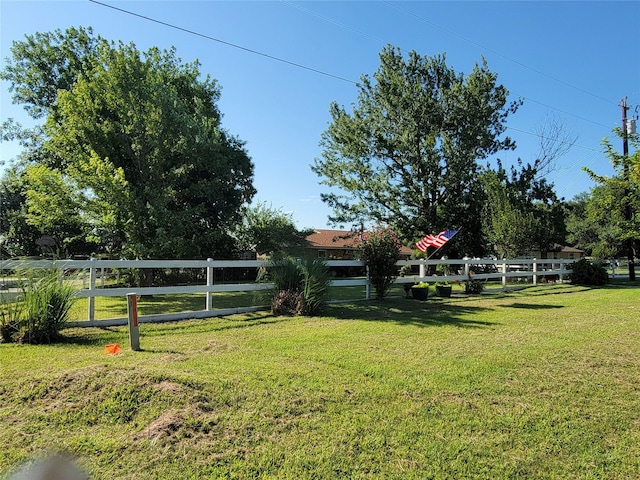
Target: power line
591,152
202,35
298,65
330,20
571,144
565,112
575,178
408,12
360,32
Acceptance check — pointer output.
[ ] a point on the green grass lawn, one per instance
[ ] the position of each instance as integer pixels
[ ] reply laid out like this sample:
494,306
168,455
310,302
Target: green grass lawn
538,383
116,307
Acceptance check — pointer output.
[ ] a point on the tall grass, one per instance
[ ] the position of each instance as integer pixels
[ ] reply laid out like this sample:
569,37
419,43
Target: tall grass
11,309
41,310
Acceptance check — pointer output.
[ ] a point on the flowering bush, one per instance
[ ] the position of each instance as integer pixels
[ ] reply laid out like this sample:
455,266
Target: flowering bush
380,252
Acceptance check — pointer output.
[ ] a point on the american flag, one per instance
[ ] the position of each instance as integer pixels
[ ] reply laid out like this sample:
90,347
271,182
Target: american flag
435,241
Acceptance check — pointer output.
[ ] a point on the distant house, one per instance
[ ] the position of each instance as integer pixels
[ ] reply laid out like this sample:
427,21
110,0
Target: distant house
560,252
341,245
334,244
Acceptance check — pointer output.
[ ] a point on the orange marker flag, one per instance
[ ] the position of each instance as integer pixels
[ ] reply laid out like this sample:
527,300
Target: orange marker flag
111,349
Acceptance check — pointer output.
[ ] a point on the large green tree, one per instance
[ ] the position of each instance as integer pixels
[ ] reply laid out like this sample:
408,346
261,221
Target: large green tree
407,154
589,227
617,198
270,231
522,212
17,237
508,226
139,135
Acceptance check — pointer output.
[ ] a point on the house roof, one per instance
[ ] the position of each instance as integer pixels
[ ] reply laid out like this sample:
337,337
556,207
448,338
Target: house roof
567,249
344,239
334,239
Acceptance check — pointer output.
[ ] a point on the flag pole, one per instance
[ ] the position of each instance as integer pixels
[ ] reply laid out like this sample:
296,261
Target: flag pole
436,250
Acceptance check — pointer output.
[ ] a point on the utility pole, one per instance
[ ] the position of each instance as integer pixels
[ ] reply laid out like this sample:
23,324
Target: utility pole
628,216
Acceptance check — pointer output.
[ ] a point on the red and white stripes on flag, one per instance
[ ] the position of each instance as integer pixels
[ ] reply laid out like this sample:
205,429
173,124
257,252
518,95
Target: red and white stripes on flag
435,241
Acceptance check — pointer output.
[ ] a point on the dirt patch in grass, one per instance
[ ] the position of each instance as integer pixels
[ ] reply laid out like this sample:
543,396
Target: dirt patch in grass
214,346
101,394
193,427
168,386
165,426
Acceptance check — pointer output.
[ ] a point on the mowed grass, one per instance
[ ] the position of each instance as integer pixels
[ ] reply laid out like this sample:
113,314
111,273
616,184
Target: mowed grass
540,383
116,307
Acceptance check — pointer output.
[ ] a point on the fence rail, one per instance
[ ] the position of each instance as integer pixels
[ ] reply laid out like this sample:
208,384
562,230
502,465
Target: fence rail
459,270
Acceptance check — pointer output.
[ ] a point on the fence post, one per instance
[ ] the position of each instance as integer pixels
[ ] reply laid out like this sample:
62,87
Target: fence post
613,268
368,286
92,286
504,274
423,268
209,301
535,271
134,331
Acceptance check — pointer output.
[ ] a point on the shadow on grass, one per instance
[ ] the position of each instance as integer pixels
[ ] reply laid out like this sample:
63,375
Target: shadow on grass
77,337
99,335
412,312
196,302
615,284
538,291
94,335
212,325
528,306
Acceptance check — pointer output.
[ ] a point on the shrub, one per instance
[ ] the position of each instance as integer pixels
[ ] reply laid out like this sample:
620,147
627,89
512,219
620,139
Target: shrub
380,252
473,286
316,279
299,286
584,272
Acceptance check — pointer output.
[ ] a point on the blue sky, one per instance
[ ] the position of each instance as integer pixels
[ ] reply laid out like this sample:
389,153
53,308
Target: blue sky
573,61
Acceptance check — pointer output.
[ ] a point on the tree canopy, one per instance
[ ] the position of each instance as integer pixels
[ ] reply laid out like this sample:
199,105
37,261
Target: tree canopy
407,154
616,199
522,213
270,231
138,136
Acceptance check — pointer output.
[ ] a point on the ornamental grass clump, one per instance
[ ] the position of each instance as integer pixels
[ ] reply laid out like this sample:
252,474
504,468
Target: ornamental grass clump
41,310
10,317
380,252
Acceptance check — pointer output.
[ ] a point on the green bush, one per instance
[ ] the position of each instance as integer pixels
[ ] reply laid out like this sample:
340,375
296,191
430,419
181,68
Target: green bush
300,287
316,279
473,286
380,252
584,272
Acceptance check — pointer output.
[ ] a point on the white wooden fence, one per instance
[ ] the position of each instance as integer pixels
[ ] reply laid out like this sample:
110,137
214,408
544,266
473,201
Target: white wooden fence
528,270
